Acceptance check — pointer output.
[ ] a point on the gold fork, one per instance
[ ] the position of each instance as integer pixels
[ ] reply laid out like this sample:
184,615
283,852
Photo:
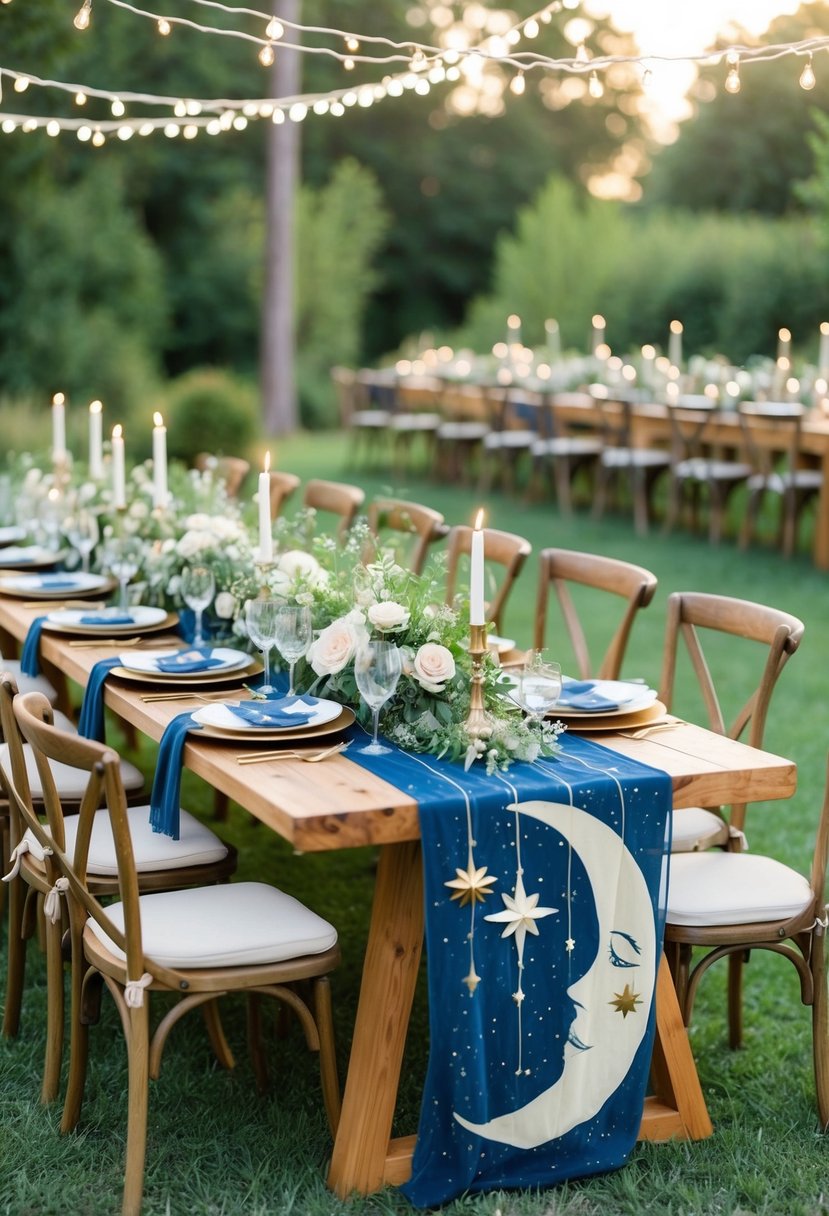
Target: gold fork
184,696
644,731
90,645
260,757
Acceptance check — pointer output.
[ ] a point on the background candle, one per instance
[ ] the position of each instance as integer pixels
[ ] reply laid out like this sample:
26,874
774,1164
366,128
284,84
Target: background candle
784,344
597,339
119,483
265,534
675,344
159,462
476,574
823,353
96,458
58,427
553,340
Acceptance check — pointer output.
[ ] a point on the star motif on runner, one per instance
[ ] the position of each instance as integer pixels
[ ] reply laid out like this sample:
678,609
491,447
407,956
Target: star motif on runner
520,913
570,945
472,885
625,1001
472,980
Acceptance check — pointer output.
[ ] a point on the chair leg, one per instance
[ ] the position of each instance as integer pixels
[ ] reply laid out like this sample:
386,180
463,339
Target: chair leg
639,490
54,1012
216,1034
563,475
257,1054
820,1026
328,1055
755,499
79,1021
736,962
16,962
138,1051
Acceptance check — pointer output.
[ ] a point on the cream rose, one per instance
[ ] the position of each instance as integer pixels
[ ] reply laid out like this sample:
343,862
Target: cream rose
298,565
433,666
224,605
388,616
336,645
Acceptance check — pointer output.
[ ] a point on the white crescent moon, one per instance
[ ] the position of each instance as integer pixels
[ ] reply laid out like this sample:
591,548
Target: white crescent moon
589,1077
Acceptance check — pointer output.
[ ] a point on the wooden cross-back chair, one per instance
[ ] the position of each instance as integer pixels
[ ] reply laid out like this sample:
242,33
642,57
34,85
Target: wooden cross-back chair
696,465
558,569
778,634
231,469
197,857
422,523
729,904
564,448
199,944
622,461
771,430
283,485
503,549
336,498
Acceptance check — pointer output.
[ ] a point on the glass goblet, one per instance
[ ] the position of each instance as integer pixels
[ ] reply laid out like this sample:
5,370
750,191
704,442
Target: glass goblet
83,534
123,559
538,686
198,587
260,620
377,668
293,636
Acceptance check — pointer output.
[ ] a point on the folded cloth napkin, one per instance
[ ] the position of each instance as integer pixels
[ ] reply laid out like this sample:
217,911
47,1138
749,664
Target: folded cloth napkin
276,713
57,582
189,660
29,656
107,618
581,694
91,720
165,800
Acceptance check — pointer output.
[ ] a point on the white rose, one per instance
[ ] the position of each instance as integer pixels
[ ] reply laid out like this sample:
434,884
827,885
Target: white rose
335,647
296,562
224,605
433,666
388,616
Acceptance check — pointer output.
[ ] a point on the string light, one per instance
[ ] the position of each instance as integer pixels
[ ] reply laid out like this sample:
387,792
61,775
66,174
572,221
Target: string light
164,28
275,29
80,98
348,65
807,76
83,16
595,87
518,84
21,84
732,80
352,44
266,55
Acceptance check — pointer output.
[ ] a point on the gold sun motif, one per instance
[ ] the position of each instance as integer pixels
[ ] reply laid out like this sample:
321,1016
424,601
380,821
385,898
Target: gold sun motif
471,885
626,1001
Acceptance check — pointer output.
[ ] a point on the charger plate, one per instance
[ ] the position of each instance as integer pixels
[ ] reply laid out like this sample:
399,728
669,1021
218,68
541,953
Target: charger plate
251,738
198,677
158,622
29,587
220,715
27,557
592,724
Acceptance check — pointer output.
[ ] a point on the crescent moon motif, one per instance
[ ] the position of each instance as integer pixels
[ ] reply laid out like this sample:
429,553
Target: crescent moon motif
601,1044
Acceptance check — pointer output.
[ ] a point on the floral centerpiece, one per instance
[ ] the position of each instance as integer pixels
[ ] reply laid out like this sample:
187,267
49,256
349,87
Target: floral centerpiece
355,595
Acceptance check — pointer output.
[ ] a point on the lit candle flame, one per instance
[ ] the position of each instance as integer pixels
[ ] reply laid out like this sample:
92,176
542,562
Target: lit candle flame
479,520
267,462
59,399
95,407
157,419
117,431
676,327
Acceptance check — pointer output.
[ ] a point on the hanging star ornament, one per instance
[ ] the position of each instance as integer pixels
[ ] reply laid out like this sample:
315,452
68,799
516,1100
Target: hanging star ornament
625,1002
520,913
472,980
472,885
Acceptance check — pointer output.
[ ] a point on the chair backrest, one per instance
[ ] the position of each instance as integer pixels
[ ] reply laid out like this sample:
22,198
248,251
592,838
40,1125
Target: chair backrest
501,549
345,384
615,417
283,486
336,497
412,518
558,569
689,418
231,469
689,614
770,428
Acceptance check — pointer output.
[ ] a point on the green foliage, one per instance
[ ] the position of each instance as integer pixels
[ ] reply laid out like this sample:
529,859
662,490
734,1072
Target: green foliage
340,228
732,281
208,410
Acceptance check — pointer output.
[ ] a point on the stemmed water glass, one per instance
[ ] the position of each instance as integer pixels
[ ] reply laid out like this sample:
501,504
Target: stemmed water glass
260,619
293,636
123,559
377,668
538,686
83,534
198,587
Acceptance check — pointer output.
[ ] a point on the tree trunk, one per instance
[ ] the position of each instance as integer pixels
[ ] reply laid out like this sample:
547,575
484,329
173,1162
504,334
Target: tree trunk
282,171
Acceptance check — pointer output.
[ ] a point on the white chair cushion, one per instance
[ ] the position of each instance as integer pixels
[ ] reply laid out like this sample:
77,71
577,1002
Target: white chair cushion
694,828
29,683
70,782
197,846
733,889
231,925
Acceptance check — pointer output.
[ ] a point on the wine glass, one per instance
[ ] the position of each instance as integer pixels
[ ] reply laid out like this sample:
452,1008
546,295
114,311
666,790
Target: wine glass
538,686
293,636
377,669
260,619
83,533
123,558
198,586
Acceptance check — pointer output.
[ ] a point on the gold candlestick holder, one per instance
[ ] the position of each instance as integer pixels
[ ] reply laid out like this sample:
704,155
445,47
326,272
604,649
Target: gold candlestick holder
263,569
478,724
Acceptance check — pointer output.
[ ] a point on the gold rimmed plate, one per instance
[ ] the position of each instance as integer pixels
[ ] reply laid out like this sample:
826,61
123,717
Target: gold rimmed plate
197,678
41,587
24,558
284,735
68,621
594,723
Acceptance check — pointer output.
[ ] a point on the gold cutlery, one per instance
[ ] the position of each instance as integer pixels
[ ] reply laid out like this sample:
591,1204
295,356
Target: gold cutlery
90,645
644,731
53,604
184,696
308,757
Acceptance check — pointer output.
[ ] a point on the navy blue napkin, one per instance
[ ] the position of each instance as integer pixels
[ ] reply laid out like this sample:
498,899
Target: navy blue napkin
108,618
57,582
91,720
198,659
274,713
581,694
165,800
30,656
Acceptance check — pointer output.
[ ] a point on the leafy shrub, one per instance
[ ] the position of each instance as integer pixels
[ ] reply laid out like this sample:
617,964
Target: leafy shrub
208,410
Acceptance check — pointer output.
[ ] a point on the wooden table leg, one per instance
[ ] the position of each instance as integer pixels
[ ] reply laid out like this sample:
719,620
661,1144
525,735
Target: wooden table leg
677,1108
362,1145
820,544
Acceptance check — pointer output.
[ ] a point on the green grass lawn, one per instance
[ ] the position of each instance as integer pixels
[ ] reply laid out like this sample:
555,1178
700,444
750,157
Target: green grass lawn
216,1148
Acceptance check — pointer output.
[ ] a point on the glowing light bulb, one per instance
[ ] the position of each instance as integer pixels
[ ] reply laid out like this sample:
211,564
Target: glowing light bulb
21,84
348,65
518,84
275,29
80,99
352,44
118,108
190,131
98,138
732,80
180,109
163,27
83,16
807,76
532,29
53,128
297,112
266,55
595,87
125,133
84,134
171,130
278,117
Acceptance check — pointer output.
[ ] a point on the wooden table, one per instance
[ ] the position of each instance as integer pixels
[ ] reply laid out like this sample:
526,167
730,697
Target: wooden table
341,805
